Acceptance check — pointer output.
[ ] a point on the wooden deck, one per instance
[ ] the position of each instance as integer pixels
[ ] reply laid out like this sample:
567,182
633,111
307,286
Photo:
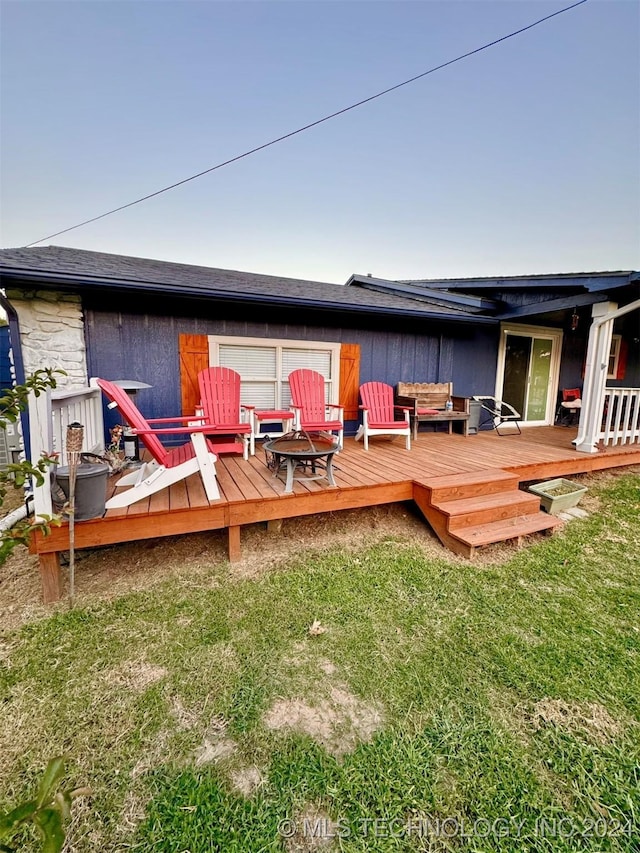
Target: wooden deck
387,473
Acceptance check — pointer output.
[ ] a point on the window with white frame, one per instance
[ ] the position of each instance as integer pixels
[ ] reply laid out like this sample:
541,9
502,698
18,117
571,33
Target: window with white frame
265,364
614,356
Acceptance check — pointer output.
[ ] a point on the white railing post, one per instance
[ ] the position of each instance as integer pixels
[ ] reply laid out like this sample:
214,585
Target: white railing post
621,416
81,405
41,441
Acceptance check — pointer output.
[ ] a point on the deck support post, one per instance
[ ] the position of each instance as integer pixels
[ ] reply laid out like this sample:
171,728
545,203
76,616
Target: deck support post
274,525
50,577
234,544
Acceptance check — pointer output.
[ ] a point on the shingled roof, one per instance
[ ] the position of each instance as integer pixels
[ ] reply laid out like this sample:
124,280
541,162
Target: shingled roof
79,270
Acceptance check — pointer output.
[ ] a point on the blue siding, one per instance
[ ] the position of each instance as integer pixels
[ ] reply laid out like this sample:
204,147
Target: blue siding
145,348
475,361
574,347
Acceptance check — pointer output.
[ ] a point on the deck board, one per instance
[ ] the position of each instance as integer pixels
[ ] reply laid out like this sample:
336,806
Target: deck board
384,474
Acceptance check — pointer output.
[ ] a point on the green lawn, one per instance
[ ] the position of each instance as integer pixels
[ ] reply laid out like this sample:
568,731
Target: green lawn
439,705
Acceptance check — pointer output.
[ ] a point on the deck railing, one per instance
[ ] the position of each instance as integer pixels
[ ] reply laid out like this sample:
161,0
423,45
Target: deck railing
621,416
49,416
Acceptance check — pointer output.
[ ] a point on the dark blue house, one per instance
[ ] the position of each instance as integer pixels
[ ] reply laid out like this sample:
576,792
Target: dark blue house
520,338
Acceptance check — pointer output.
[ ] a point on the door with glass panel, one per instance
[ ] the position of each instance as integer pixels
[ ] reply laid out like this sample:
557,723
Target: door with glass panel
528,372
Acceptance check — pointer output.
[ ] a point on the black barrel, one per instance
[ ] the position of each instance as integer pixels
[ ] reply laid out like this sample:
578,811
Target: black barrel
91,489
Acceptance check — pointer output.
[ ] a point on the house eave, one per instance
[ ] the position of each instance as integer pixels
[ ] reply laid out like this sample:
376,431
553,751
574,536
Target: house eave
562,304
84,285
423,293
591,282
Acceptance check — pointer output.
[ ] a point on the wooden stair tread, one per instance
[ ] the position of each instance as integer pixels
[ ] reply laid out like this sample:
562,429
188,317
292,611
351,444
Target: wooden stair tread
483,475
499,531
470,483
496,500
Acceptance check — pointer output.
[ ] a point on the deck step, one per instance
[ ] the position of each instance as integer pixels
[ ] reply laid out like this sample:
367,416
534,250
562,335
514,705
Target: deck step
501,531
454,486
484,509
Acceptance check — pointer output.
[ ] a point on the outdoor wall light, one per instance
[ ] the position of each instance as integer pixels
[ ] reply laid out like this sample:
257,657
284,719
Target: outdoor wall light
131,441
574,320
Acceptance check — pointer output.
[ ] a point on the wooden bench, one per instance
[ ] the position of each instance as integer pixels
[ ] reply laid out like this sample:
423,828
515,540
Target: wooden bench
427,404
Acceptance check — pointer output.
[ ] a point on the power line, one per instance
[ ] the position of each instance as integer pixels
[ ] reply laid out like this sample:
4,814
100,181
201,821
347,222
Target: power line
309,126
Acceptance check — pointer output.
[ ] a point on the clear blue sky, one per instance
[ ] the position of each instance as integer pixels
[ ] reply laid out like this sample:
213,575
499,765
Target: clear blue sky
522,159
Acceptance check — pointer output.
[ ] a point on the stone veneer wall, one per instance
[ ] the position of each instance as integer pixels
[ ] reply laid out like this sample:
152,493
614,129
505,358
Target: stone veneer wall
52,333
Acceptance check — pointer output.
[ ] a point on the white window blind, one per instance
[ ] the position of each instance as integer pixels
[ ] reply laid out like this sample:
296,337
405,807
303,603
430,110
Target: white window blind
265,365
257,365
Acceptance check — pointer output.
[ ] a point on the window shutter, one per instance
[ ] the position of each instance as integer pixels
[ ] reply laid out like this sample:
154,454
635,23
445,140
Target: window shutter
194,357
349,380
622,359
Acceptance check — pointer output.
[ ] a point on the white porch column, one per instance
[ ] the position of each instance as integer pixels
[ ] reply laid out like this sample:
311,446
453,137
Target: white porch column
595,377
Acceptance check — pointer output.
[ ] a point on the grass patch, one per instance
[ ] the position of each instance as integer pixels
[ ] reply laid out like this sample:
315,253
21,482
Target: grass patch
461,706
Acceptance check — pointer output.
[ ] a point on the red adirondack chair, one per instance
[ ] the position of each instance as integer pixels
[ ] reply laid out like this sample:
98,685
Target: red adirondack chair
378,414
169,465
309,406
220,405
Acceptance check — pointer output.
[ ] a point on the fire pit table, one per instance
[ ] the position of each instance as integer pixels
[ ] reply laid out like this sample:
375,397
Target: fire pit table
300,455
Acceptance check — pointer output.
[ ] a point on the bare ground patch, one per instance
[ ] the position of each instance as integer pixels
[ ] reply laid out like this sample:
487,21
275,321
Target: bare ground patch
247,780
216,745
338,721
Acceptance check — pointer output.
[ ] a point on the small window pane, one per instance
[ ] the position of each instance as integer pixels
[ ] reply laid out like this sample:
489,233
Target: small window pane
262,395
286,394
319,360
614,357
249,361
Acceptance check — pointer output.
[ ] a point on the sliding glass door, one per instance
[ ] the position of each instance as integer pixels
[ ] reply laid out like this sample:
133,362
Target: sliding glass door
528,369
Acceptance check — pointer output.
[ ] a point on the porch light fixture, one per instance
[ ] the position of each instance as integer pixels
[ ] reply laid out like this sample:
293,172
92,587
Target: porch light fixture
574,320
131,441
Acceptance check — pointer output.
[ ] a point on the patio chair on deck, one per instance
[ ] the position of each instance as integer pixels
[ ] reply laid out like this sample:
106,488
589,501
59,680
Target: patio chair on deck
169,465
378,414
310,407
220,404
568,411
500,412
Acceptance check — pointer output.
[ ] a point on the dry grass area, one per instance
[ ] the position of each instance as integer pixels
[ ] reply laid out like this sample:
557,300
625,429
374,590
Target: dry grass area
113,571
590,718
